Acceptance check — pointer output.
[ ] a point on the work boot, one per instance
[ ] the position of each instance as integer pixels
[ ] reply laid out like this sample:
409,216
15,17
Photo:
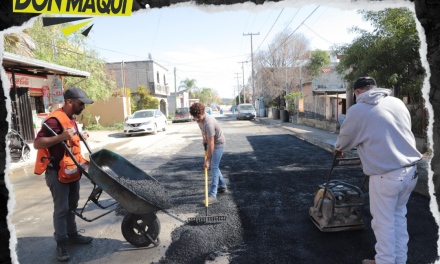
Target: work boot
211,200
222,190
76,238
368,261
62,254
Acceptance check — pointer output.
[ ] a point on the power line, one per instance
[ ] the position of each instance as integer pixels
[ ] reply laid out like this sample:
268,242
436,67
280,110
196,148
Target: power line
158,22
318,34
292,18
64,49
241,44
297,28
266,20
250,29
270,30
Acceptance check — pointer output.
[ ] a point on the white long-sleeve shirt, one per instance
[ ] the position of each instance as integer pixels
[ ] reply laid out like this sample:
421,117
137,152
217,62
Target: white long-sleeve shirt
379,126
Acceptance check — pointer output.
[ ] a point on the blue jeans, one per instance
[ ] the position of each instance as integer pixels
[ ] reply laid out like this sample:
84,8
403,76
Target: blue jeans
65,198
217,177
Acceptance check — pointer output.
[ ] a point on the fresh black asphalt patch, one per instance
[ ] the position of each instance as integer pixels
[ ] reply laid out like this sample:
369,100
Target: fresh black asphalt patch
272,180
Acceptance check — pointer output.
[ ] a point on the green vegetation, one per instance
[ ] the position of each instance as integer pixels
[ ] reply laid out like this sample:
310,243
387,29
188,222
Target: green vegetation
318,60
390,54
291,98
146,101
73,52
115,127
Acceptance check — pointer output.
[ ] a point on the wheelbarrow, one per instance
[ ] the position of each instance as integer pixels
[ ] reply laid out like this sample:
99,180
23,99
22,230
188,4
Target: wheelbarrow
140,227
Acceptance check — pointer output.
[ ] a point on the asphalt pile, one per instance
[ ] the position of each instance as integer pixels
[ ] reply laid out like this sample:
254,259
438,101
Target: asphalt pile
152,191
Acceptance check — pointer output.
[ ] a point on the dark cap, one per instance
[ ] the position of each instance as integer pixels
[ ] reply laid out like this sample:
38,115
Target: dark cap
77,93
364,81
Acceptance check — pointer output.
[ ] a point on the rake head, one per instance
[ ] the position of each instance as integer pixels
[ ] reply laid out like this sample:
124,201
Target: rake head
200,220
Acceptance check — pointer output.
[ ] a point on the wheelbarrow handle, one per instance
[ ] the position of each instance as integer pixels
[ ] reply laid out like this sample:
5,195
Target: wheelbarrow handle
85,143
68,151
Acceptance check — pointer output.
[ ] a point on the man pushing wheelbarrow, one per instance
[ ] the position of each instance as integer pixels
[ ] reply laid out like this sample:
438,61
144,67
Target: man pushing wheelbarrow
62,176
138,194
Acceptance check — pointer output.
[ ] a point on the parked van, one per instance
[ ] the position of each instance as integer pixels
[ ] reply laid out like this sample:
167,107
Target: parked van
182,114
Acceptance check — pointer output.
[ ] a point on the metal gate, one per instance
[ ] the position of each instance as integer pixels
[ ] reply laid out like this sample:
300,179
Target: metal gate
21,115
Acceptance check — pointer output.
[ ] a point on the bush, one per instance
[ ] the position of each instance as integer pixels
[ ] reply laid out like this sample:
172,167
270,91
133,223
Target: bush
170,116
96,127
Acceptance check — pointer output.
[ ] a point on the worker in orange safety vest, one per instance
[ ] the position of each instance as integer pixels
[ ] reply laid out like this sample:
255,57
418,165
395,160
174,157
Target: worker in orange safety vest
61,173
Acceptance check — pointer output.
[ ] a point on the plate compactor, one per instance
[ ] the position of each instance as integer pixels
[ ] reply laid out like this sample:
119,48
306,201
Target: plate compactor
338,206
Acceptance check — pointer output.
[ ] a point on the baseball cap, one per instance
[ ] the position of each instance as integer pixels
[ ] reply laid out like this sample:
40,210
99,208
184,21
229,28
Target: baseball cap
364,81
77,93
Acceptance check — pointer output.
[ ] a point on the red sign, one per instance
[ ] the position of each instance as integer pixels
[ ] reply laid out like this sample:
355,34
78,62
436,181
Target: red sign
23,81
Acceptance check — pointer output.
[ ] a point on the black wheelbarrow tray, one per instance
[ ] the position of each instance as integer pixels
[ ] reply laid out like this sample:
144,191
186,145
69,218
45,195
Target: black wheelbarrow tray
140,227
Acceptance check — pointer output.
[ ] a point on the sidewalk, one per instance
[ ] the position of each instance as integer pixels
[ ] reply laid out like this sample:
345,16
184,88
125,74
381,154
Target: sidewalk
327,140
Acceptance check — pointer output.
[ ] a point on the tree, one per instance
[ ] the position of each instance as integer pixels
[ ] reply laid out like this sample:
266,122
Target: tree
146,101
318,60
52,46
204,94
19,43
390,54
277,64
188,86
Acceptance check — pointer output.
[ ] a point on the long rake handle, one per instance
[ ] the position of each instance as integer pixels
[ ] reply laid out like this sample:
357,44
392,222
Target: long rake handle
206,181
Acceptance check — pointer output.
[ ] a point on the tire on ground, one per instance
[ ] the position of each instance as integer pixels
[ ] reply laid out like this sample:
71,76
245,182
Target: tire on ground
148,222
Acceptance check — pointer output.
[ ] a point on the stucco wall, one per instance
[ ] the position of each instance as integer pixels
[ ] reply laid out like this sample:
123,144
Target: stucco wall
110,111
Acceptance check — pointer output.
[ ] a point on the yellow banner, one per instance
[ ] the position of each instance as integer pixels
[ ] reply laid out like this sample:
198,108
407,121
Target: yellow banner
301,105
75,7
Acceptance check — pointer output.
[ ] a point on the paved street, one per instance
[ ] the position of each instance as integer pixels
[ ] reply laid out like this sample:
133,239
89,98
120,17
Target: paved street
272,178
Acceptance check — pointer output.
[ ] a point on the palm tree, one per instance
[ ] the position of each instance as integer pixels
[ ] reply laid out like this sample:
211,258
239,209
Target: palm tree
20,43
188,86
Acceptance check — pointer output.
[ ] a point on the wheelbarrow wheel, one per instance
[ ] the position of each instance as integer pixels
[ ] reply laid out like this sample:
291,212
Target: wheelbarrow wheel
137,227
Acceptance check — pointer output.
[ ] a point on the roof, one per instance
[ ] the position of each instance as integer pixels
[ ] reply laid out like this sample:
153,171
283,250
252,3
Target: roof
44,67
153,61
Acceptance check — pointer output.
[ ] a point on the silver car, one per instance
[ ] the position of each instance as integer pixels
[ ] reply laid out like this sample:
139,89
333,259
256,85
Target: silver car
246,111
145,121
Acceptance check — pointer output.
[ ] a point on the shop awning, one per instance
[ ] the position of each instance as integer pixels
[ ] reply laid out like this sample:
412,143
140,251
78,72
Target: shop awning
25,64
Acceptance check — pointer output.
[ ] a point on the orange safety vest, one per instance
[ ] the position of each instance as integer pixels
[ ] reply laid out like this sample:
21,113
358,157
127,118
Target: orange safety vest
68,172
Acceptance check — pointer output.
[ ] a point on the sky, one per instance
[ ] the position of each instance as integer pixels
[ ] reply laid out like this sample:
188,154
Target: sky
207,45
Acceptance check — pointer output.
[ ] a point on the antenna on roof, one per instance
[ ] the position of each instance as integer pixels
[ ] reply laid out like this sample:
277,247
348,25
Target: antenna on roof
149,56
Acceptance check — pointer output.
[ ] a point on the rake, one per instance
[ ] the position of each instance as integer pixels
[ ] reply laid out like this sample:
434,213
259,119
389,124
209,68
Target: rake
199,220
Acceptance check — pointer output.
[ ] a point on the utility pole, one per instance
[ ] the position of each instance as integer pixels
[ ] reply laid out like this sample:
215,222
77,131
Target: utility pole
252,53
124,86
175,89
238,87
242,67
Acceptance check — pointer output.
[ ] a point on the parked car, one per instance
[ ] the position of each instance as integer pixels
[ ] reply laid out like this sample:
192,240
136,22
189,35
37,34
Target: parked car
145,121
182,114
246,111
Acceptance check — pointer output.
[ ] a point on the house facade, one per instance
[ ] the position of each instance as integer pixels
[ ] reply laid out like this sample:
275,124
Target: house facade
182,101
148,73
